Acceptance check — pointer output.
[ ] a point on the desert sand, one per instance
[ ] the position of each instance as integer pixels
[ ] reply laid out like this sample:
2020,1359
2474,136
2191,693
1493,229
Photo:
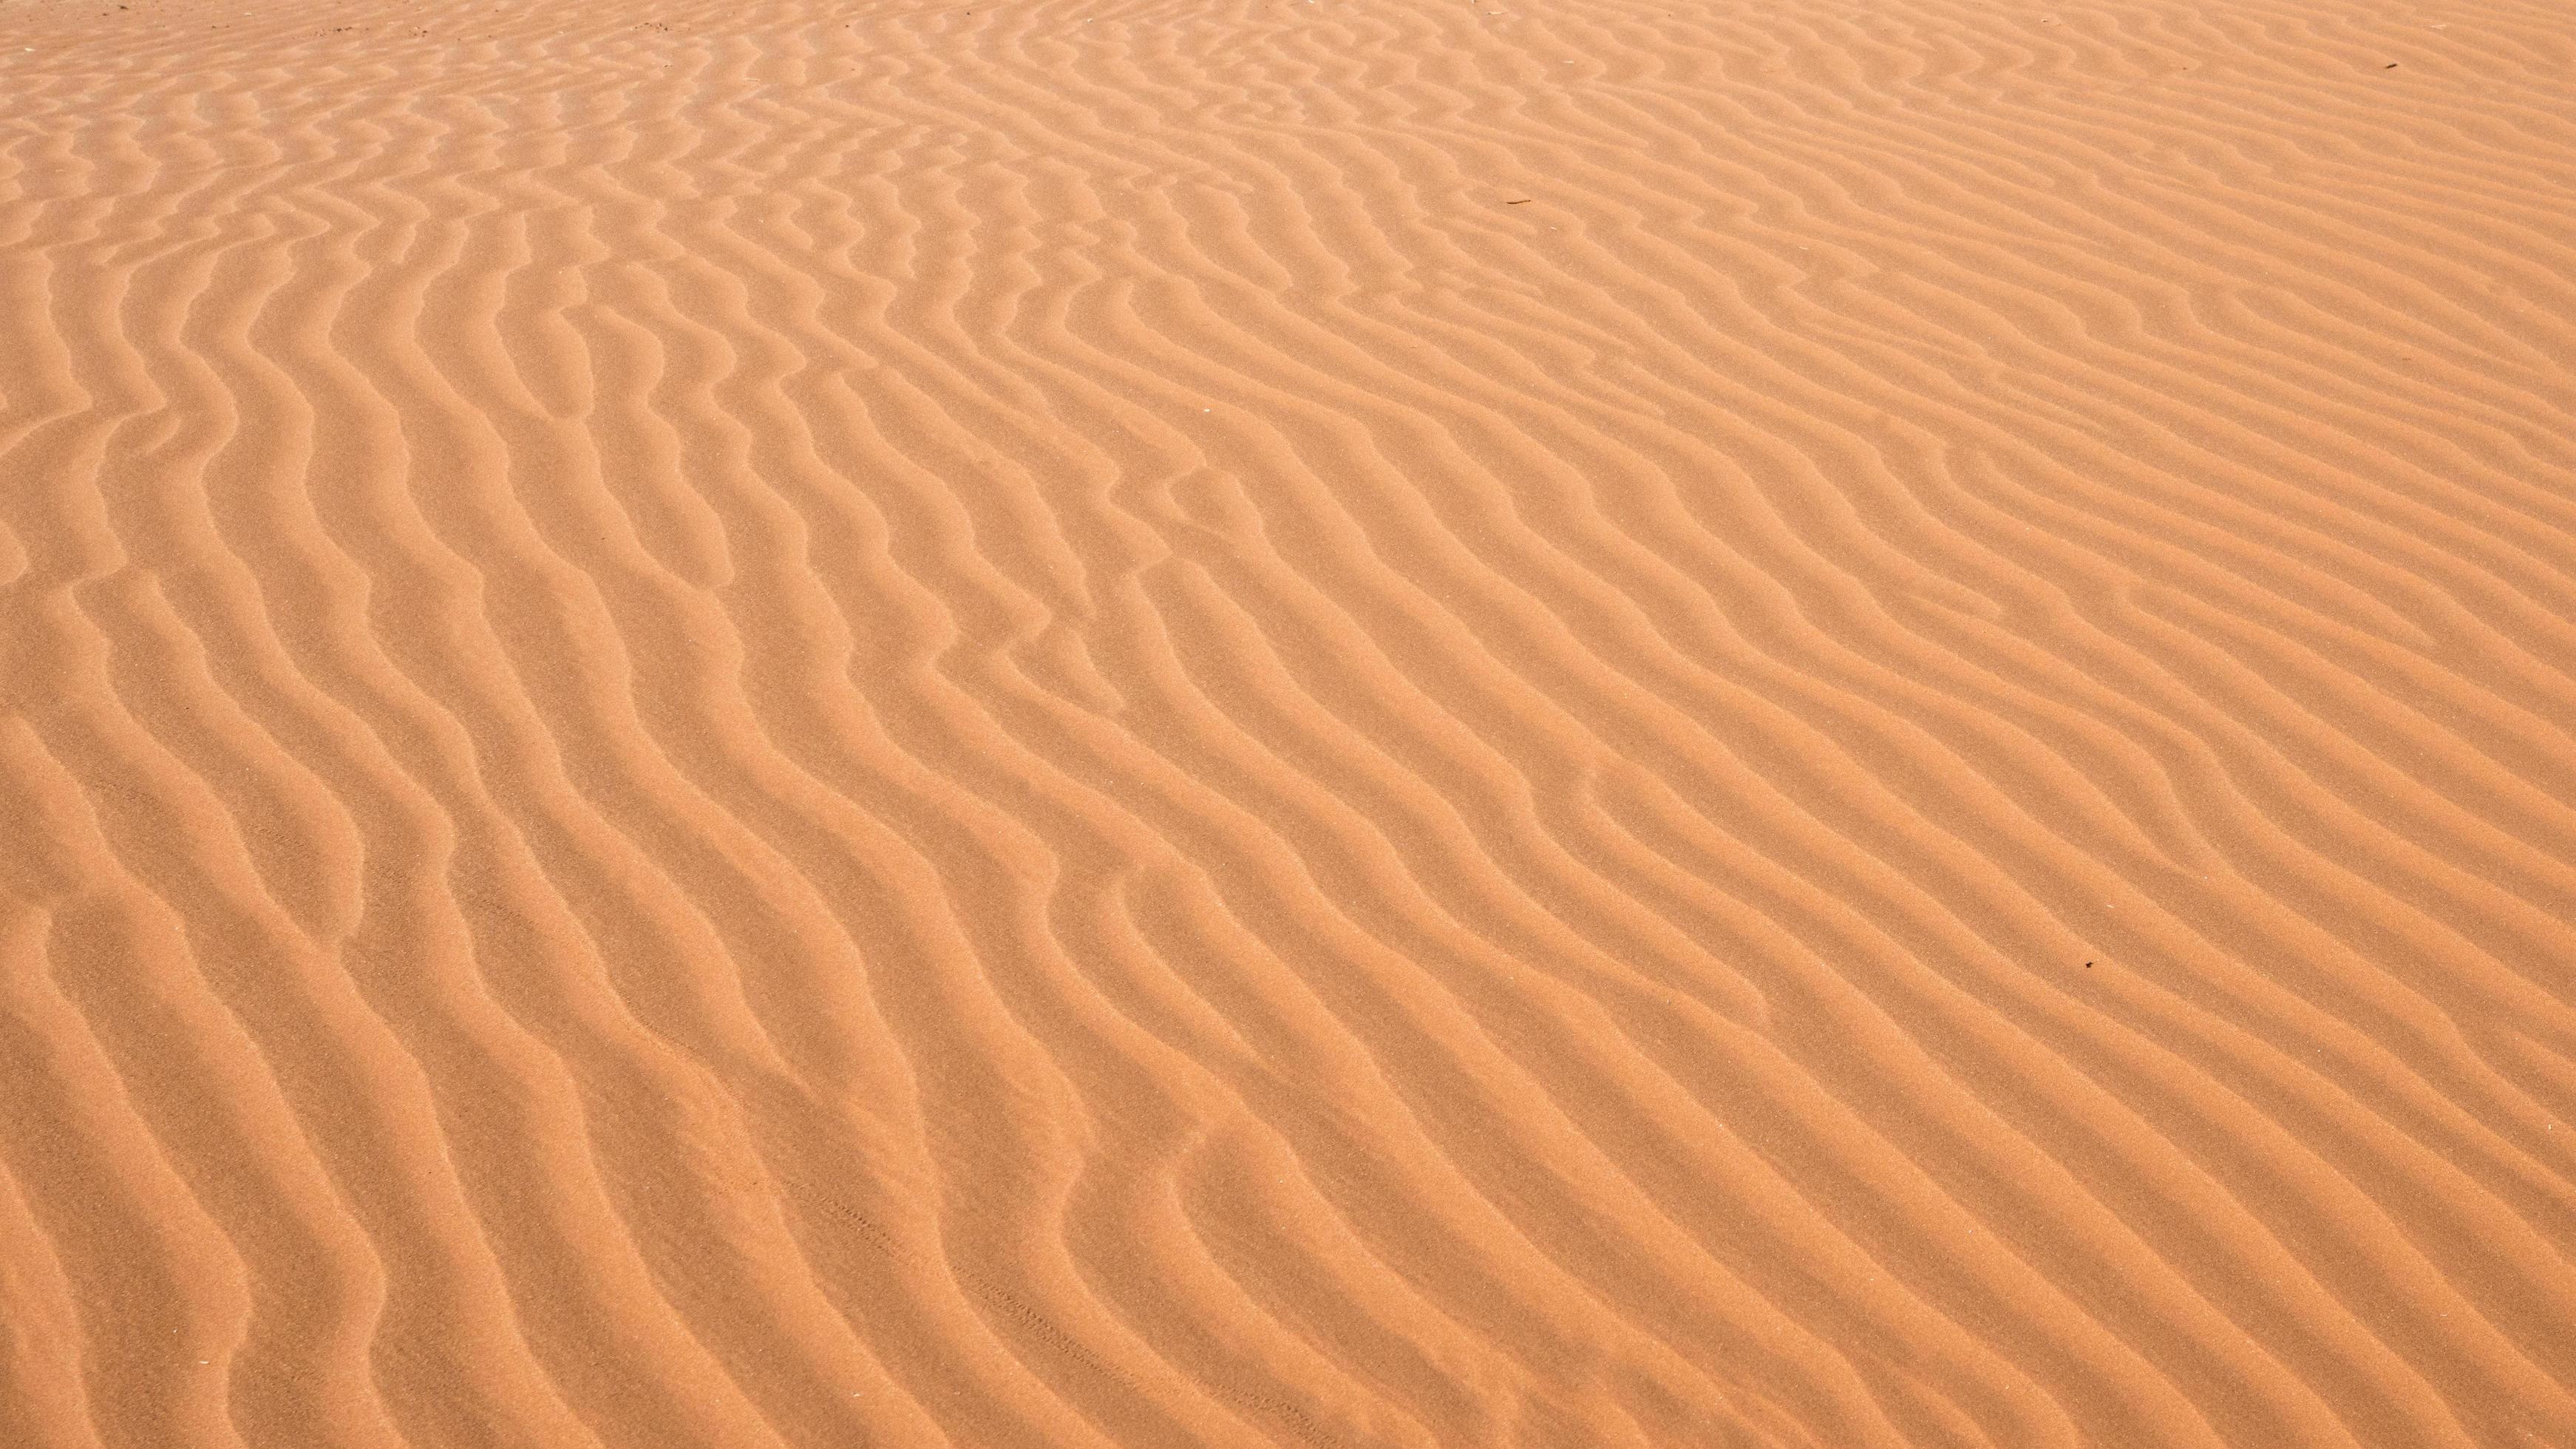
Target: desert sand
1287,722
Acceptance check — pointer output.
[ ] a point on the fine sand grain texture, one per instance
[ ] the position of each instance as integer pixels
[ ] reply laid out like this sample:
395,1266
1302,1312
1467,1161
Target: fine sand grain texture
1404,723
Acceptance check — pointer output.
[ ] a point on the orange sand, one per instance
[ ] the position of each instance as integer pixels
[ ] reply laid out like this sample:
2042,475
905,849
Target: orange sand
1304,722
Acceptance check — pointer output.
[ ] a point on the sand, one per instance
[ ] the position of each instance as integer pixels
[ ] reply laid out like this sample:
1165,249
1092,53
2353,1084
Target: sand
1303,722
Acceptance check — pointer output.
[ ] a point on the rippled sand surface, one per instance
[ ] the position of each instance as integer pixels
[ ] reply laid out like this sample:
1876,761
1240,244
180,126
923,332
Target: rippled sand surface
1306,722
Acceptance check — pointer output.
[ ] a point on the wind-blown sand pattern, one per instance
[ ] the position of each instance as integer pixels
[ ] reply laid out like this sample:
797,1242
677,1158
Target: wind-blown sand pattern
1318,722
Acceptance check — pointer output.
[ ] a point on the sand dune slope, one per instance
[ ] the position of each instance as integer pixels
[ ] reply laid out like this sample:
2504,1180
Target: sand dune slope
1307,722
